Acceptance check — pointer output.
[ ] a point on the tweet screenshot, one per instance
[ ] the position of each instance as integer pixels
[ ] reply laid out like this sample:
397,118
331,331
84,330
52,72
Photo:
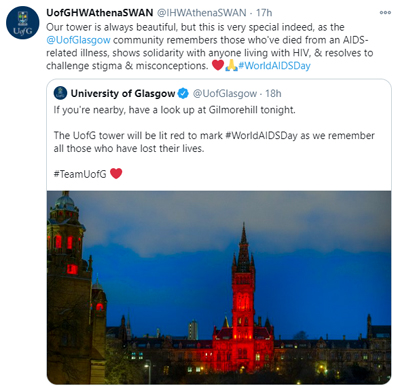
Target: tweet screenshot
185,146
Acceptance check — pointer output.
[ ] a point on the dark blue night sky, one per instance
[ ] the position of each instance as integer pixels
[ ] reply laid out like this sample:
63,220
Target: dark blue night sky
323,260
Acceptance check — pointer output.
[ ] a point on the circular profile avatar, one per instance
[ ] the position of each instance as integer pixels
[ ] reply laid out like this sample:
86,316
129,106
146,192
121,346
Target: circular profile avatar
22,22
60,93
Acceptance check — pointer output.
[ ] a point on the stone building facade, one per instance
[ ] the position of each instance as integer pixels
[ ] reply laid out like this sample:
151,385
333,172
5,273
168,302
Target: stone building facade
76,309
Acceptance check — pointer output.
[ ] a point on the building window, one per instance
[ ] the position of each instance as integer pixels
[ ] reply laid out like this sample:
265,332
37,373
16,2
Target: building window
57,242
140,355
189,369
239,353
198,369
257,357
72,269
266,357
166,370
70,240
246,301
64,339
365,356
190,356
348,356
356,356
239,321
246,322
180,356
133,357
245,354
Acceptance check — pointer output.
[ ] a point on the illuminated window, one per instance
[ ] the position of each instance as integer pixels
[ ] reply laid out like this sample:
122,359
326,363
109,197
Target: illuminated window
198,369
69,242
257,357
239,321
189,369
140,355
246,301
72,269
133,356
166,370
57,242
99,307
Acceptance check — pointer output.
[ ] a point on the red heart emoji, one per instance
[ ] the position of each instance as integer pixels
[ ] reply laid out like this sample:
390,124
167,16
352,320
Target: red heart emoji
116,173
218,64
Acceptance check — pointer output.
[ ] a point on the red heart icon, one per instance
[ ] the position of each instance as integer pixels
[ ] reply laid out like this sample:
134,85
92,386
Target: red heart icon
218,64
116,173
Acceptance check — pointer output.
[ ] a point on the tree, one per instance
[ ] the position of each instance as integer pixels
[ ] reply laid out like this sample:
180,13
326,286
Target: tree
302,335
120,369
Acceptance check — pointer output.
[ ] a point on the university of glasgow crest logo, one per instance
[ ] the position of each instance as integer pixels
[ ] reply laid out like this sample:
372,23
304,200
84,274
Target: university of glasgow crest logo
22,22
22,18
60,93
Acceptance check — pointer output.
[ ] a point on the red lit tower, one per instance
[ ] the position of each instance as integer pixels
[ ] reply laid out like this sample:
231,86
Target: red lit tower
243,287
246,345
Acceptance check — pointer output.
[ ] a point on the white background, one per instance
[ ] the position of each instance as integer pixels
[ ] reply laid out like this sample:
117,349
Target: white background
23,153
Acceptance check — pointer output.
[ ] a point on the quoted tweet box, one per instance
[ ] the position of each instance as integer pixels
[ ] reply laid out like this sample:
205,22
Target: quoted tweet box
219,134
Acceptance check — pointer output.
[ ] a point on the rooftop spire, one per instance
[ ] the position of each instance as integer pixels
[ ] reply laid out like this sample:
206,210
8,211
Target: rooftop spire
234,259
226,323
65,193
244,239
243,260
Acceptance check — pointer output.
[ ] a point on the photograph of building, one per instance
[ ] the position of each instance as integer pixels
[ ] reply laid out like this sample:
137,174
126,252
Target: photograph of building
159,287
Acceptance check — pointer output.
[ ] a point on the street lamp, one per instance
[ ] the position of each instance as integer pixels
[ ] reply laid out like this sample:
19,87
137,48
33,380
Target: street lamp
148,364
